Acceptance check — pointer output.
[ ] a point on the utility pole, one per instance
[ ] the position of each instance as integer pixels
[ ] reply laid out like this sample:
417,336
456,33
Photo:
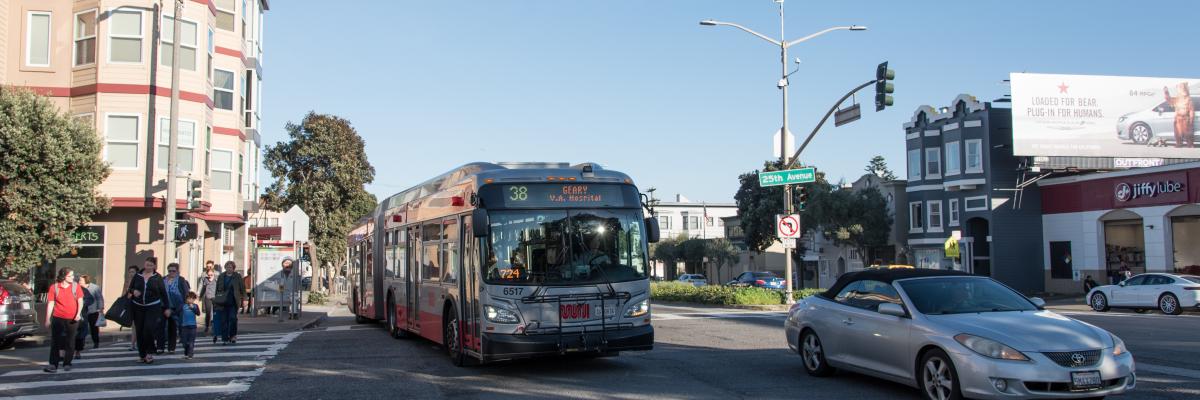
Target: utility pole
169,203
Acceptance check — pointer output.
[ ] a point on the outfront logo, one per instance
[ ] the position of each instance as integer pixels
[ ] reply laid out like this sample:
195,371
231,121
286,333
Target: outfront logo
1123,192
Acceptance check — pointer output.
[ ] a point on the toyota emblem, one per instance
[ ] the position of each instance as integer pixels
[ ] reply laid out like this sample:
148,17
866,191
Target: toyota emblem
1123,192
1077,358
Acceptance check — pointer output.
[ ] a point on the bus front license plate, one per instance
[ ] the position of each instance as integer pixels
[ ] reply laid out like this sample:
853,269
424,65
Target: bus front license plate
575,311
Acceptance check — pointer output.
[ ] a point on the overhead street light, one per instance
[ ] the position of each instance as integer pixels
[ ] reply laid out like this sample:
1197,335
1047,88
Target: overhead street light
785,158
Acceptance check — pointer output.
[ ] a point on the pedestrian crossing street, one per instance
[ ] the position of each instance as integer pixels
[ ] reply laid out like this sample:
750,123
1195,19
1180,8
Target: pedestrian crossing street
113,371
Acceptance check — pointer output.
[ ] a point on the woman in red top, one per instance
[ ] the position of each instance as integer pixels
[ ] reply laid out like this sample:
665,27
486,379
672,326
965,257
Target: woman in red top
63,303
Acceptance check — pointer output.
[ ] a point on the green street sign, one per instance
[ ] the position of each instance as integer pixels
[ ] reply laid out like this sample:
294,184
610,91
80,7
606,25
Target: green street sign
788,177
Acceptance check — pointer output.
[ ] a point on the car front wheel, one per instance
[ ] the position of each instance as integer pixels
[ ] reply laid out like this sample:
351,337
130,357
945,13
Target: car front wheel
813,354
939,381
1099,302
1140,133
1169,304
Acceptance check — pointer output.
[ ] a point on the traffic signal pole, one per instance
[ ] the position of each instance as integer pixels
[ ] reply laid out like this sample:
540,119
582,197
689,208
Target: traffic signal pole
783,157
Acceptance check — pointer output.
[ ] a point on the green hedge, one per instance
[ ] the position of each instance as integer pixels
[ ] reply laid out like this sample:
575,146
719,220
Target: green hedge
721,295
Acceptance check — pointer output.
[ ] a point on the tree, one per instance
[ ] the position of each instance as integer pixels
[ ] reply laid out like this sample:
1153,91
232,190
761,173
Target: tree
758,206
50,169
721,252
854,218
669,251
323,169
878,166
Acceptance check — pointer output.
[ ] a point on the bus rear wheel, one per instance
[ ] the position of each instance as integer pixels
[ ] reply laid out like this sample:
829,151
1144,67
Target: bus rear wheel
452,338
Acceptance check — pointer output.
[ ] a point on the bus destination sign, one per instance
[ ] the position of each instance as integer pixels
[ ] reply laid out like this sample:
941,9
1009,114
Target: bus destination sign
562,195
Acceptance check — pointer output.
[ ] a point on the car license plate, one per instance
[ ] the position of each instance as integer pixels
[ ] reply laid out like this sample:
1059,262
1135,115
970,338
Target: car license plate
575,311
1085,380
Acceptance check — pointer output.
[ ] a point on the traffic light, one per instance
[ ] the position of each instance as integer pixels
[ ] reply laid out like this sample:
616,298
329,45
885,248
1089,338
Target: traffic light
801,197
194,193
883,86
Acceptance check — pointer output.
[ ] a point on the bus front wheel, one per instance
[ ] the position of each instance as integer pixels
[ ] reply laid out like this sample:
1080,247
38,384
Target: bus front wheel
452,338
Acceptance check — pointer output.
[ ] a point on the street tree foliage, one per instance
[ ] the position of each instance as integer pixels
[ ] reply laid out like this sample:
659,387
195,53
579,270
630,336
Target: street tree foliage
50,169
857,219
720,252
879,167
322,168
758,206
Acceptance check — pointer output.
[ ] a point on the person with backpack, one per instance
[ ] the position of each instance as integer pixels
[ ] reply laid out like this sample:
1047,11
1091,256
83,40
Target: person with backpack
228,297
93,308
150,304
64,301
177,290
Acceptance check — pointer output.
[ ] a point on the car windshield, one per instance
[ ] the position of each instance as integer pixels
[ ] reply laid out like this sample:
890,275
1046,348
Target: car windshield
957,295
565,247
764,275
1192,278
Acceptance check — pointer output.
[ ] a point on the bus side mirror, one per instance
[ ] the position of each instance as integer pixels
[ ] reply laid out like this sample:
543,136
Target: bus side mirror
479,222
652,230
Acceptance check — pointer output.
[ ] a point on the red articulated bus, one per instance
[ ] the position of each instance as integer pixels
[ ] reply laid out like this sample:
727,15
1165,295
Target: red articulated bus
510,260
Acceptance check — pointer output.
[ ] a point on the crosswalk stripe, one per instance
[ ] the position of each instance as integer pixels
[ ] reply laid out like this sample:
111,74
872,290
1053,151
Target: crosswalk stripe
144,378
199,342
199,348
232,387
269,352
141,367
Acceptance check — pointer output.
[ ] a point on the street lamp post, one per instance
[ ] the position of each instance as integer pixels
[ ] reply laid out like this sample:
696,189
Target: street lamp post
172,142
784,158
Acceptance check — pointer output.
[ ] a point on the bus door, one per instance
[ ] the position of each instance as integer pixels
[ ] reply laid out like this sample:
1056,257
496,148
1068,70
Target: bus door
412,280
468,287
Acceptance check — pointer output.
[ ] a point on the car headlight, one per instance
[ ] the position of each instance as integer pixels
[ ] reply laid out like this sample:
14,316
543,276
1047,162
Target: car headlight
639,309
500,315
1118,346
1122,119
989,348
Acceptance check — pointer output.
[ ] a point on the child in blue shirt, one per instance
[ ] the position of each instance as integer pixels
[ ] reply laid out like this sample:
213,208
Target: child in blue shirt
187,325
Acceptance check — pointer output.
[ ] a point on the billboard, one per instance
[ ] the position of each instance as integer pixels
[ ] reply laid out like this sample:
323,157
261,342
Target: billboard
1105,116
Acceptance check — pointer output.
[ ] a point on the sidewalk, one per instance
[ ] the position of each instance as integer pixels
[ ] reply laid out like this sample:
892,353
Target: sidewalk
310,316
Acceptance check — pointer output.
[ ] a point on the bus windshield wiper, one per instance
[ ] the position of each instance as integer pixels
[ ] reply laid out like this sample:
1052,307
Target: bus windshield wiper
611,290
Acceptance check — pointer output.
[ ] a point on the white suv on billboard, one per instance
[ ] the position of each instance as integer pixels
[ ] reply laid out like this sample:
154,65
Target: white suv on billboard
1153,125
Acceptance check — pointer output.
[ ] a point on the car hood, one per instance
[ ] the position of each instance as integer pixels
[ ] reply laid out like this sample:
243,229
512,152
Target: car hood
1033,331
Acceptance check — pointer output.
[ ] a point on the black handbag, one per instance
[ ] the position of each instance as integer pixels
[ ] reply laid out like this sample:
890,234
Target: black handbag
120,312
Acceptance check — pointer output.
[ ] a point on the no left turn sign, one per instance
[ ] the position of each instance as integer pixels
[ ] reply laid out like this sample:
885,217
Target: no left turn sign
788,226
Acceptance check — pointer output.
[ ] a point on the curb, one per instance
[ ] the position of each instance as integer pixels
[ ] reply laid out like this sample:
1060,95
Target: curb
315,321
762,307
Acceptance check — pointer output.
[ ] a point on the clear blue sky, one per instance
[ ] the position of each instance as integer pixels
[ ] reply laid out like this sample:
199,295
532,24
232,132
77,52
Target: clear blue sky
639,86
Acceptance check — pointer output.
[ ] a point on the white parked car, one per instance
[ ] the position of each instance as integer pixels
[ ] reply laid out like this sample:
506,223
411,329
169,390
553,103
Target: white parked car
694,279
1169,293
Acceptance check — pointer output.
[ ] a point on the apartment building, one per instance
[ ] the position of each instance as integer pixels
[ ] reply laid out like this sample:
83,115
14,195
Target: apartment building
961,184
108,63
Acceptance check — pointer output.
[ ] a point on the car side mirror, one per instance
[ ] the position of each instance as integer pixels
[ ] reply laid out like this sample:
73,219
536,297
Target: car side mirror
479,222
892,309
652,233
1122,284
1038,301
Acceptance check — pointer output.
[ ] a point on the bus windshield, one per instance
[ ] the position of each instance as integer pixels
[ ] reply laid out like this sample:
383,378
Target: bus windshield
560,247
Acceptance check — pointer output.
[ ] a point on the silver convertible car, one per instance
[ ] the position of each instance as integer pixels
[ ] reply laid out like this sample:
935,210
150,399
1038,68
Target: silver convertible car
955,336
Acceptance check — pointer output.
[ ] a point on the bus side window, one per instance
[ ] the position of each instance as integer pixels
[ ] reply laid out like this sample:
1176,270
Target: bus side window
450,260
431,247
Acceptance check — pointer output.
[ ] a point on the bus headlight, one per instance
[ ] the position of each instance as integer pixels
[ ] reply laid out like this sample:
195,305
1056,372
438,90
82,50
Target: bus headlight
500,315
638,309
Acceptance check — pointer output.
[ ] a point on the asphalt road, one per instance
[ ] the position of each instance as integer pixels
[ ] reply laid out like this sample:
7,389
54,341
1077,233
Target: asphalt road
699,354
